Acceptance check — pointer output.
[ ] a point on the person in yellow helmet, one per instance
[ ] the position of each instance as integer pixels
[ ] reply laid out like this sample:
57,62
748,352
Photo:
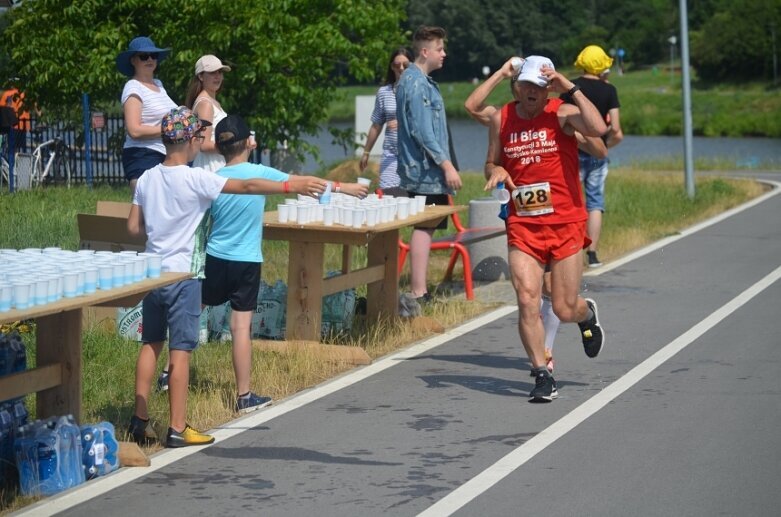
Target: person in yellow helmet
595,64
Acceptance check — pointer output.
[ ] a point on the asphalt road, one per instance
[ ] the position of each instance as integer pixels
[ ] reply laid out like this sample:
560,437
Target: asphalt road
679,415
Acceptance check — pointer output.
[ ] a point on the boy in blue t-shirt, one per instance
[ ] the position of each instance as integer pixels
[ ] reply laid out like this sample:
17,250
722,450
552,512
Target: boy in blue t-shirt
233,251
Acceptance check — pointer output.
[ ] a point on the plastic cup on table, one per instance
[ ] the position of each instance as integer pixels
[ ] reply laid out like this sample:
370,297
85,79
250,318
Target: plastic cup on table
293,216
139,268
413,207
81,279
154,264
40,291
372,216
117,274
403,208
284,213
6,295
90,280
359,214
22,294
106,276
71,282
328,215
421,203
55,288
347,216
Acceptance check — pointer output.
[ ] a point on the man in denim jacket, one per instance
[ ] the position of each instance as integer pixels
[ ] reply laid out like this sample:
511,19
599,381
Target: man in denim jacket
424,164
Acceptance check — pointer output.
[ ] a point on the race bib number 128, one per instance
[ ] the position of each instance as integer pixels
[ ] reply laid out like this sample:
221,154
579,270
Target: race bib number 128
531,200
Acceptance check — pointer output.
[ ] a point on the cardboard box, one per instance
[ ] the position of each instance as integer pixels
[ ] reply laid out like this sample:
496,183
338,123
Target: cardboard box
107,230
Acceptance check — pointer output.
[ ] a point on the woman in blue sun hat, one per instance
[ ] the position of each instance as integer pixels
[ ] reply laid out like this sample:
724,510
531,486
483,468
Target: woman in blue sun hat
144,103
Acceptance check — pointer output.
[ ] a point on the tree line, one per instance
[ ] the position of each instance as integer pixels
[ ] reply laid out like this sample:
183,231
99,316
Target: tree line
288,56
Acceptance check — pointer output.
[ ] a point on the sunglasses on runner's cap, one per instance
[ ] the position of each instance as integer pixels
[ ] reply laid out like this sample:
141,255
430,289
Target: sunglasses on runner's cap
146,55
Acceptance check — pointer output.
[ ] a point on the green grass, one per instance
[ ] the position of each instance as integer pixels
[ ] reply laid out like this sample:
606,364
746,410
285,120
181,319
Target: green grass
651,104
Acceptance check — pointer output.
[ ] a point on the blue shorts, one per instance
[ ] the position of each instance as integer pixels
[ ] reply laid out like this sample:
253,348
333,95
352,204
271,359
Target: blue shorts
593,173
136,160
175,309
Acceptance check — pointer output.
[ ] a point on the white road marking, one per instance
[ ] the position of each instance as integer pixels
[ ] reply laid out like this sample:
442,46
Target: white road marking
479,484
95,488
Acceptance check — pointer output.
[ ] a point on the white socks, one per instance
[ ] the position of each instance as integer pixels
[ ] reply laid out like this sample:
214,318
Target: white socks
550,321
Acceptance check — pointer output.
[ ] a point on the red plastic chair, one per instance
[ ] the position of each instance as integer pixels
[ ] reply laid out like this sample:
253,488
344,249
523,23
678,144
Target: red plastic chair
449,242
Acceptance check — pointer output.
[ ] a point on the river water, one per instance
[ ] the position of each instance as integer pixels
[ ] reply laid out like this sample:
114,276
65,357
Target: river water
470,141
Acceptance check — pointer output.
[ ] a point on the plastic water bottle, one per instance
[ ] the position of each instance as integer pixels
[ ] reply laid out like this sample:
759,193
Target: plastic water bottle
325,197
500,193
71,469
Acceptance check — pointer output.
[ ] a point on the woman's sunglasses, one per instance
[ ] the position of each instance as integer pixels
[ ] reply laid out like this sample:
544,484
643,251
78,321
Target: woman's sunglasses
146,55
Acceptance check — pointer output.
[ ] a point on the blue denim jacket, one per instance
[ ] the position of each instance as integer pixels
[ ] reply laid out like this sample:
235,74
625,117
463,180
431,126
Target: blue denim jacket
422,133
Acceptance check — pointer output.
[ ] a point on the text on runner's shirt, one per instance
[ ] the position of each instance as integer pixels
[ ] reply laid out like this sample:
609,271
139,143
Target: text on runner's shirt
531,143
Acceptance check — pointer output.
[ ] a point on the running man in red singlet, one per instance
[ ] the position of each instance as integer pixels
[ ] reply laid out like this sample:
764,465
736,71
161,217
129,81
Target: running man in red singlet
532,148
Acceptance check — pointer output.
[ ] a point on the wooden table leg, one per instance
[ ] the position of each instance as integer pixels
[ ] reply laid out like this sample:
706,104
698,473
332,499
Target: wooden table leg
305,291
383,297
59,341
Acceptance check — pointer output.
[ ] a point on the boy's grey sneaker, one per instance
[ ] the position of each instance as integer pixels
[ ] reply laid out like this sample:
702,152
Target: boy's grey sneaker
252,403
162,381
591,332
544,386
141,431
593,261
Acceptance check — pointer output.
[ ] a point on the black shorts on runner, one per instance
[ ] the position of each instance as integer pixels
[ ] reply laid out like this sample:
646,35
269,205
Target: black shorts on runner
230,280
434,199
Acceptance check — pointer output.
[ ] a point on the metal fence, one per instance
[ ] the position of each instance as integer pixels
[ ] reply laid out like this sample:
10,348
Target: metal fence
107,135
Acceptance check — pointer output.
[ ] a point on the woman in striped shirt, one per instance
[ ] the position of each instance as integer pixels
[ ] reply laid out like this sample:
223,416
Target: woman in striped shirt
385,114
144,103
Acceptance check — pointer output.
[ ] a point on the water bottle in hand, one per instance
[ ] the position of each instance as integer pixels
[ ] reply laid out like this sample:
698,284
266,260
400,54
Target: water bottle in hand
500,193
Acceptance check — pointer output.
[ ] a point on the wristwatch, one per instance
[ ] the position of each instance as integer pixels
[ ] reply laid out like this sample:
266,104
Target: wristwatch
572,90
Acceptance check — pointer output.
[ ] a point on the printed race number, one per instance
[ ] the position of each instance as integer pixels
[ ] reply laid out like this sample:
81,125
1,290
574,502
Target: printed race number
531,200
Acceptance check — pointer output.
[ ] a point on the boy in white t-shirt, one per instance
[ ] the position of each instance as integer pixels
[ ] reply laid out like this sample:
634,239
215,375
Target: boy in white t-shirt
169,202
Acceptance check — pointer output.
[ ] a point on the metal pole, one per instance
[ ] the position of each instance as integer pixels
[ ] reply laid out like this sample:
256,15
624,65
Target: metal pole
11,165
85,117
687,100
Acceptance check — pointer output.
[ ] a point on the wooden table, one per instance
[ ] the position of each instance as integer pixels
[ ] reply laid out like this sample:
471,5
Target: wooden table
307,286
57,376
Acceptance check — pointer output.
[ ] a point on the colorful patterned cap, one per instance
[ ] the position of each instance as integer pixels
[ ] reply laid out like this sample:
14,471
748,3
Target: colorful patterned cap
180,125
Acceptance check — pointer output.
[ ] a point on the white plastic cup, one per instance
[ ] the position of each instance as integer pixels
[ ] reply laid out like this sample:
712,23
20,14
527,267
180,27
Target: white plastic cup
421,203
284,213
328,215
22,295
105,276
293,217
80,280
139,268
413,207
129,271
359,214
153,265
69,287
372,216
347,216
6,295
403,208
41,291
54,286
90,280
118,274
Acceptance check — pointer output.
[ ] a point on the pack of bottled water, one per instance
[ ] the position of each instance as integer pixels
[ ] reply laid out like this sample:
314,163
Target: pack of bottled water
13,413
48,456
100,450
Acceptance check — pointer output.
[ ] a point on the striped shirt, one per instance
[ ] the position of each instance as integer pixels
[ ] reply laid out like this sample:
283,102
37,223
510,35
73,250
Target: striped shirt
154,106
384,111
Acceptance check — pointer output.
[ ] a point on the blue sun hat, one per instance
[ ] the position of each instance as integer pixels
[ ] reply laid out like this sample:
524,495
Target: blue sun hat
136,46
